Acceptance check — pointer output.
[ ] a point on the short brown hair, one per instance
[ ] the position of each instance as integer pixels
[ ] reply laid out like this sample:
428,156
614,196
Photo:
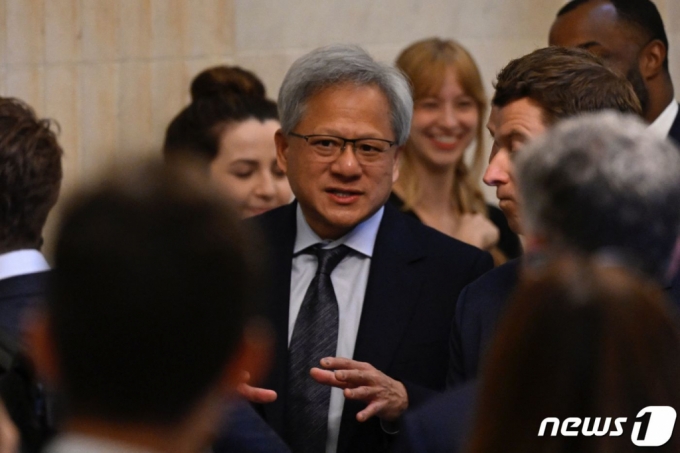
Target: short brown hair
564,82
30,174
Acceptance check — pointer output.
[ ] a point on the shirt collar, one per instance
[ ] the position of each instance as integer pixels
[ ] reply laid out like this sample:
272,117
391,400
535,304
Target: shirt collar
22,262
360,239
81,443
663,123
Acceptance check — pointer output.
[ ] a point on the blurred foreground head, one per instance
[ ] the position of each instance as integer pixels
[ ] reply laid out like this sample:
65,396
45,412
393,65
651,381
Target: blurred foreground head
151,298
581,338
603,183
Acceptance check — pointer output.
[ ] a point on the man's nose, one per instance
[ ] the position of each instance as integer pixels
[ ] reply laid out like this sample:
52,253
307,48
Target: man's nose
347,163
495,174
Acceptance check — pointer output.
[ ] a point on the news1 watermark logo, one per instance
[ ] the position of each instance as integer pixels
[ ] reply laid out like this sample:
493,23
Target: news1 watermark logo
652,427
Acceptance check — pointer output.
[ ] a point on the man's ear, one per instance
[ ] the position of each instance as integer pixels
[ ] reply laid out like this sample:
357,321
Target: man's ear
41,348
281,150
652,58
254,356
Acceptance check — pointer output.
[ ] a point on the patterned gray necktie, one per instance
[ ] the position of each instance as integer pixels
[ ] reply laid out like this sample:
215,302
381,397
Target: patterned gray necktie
315,336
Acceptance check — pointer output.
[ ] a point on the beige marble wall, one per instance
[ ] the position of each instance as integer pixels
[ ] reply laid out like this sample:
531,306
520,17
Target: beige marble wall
114,72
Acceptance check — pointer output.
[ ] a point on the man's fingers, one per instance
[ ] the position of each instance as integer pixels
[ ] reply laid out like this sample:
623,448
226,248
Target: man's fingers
256,394
342,363
357,377
361,393
371,410
326,377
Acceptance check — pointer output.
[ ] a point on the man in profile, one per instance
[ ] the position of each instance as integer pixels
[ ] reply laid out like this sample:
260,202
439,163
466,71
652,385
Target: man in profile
532,93
630,36
600,185
30,177
149,322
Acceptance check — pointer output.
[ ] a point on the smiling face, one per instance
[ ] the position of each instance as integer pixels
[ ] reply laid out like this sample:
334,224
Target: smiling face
338,195
444,124
246,167
511,127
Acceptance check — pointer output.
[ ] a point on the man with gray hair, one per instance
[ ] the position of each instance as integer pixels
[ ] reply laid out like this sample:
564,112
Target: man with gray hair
608,186
362,297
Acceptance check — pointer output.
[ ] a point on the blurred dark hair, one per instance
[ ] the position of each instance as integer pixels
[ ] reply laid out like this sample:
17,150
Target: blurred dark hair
564,82
30,175
221,96
151,291
641,15
579,339
226,79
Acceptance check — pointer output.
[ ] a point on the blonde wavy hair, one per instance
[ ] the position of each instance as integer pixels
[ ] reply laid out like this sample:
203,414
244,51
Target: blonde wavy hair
425,64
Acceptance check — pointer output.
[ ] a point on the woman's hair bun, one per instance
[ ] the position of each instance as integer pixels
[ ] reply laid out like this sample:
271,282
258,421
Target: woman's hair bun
226,81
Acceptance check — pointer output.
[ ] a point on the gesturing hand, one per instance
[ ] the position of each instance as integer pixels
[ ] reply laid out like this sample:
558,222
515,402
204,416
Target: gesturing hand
386,398
255,394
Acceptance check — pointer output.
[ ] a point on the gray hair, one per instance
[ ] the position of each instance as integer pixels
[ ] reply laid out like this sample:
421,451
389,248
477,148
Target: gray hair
601,183
340,64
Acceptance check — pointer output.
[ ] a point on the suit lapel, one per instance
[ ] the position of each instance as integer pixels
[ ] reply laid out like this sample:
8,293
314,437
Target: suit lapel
392,292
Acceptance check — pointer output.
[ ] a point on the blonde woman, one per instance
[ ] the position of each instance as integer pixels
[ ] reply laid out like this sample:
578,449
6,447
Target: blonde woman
436,184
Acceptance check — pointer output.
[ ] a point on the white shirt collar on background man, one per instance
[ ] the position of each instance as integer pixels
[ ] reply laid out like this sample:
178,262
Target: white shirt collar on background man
662,125
349,278
80,443
22,262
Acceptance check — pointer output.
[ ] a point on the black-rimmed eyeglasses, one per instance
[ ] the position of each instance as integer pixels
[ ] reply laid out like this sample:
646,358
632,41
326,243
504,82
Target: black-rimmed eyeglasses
329,147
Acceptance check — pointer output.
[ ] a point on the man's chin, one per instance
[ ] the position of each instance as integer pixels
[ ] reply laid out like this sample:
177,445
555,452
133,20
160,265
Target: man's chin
514,224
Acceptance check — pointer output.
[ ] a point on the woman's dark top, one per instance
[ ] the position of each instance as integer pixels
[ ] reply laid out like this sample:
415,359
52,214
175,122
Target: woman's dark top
508,243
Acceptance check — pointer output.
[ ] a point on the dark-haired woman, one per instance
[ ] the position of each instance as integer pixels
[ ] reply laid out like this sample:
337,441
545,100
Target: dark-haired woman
231,124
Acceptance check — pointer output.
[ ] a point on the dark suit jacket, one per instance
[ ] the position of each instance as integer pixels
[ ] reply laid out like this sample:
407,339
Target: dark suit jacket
244,431
18,389
675,130
480,307
442,425
18,294
416,274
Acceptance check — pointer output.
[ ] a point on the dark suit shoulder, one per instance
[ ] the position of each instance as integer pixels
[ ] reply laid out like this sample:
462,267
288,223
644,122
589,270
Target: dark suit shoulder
433,241
498,281
25,285
482,301
478,310
18,295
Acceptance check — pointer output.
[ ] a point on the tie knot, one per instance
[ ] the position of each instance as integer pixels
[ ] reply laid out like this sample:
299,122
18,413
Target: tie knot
329,258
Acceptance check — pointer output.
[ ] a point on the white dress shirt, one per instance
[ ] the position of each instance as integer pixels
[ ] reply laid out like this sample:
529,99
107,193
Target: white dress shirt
663,123
22,262
80,443
349,282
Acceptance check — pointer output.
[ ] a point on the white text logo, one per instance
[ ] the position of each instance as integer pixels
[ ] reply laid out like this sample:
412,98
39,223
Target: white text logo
652,427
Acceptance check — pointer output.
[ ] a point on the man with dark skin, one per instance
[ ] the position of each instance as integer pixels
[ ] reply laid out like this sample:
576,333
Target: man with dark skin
630,36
